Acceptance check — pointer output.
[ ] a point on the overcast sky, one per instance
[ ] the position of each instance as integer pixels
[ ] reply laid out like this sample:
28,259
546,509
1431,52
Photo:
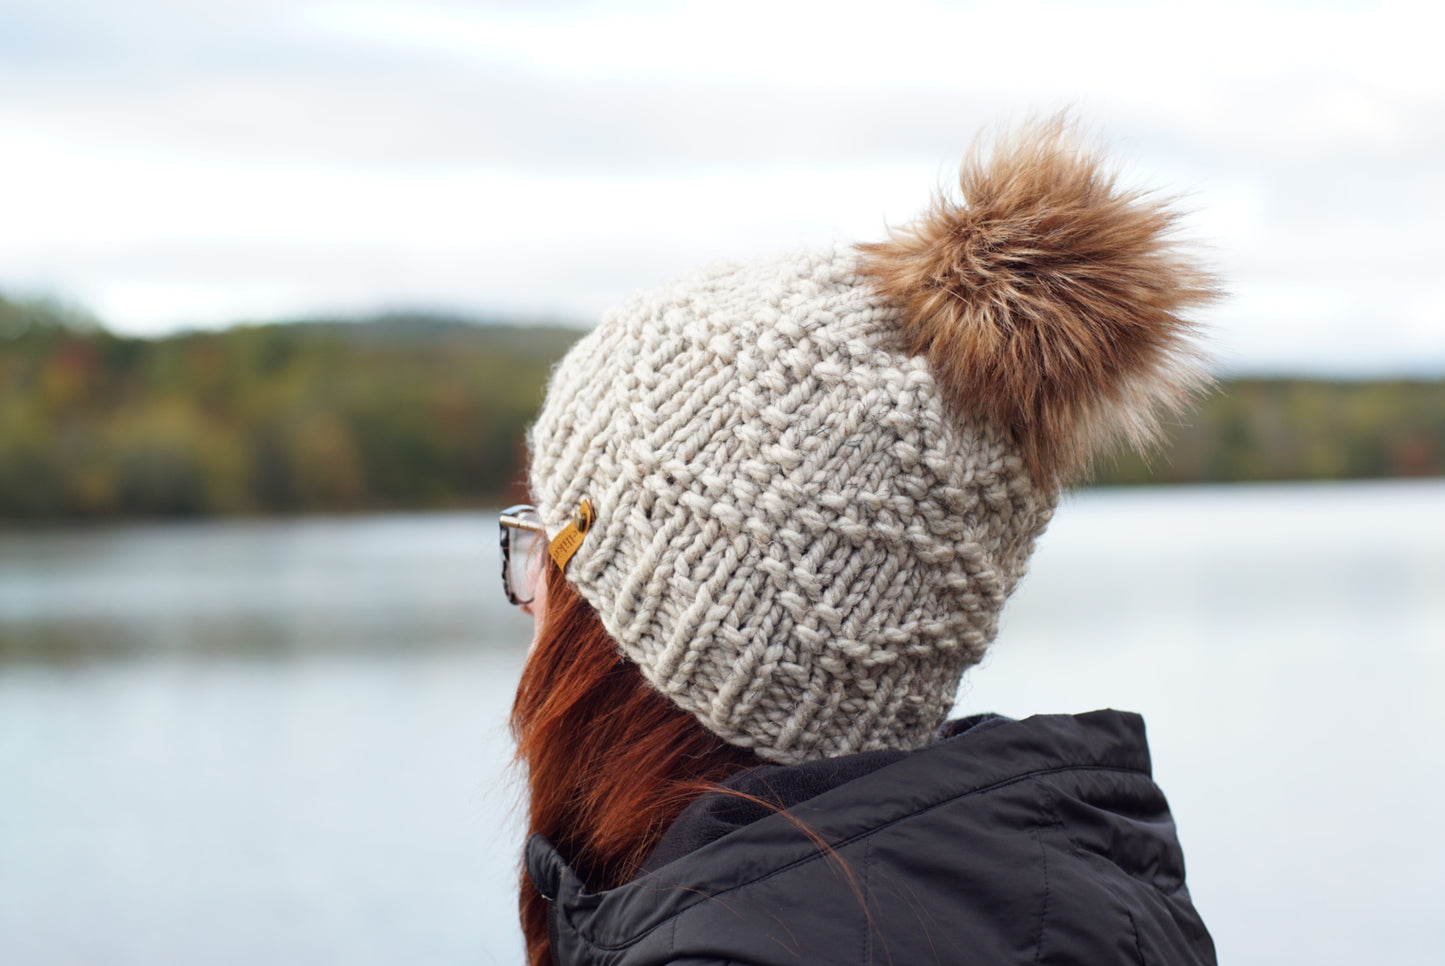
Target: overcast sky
173,163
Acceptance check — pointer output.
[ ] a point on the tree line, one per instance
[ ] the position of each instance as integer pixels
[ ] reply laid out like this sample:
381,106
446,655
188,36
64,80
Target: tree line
411,412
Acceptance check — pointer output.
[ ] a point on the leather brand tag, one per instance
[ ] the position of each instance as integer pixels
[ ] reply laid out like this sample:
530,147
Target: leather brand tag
565,543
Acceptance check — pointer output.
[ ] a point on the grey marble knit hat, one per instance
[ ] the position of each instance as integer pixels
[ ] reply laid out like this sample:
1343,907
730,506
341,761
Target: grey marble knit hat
817,478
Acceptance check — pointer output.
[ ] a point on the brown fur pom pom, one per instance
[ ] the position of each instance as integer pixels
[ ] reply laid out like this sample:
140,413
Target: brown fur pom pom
1048,301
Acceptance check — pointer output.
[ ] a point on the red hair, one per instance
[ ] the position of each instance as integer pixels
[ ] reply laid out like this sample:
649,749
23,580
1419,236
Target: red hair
610,763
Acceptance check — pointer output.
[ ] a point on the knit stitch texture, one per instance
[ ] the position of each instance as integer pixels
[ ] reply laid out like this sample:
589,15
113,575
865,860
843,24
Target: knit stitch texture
818,478
796,540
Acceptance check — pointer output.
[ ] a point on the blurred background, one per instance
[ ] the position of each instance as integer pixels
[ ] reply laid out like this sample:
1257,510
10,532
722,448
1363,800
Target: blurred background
279,287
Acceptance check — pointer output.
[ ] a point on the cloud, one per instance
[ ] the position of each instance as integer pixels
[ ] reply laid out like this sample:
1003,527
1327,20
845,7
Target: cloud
651,88
166,159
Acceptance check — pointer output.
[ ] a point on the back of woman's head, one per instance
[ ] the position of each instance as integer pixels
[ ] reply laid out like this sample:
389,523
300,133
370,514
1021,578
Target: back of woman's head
812,482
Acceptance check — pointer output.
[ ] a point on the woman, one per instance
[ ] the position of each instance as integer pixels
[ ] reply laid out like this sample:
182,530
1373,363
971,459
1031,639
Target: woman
782,505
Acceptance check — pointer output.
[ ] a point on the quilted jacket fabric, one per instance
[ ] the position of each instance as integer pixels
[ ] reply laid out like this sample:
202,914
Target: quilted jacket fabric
1041,841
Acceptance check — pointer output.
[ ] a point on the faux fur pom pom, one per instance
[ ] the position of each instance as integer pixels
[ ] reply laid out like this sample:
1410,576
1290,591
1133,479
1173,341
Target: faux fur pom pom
1048,301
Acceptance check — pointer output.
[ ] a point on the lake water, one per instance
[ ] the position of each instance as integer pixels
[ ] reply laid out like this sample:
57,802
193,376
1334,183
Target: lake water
284,741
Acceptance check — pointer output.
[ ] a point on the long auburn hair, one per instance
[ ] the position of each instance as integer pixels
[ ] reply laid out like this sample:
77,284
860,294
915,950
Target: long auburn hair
609,762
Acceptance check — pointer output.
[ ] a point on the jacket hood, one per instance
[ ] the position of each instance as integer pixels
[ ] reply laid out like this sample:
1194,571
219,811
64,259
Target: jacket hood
1002,843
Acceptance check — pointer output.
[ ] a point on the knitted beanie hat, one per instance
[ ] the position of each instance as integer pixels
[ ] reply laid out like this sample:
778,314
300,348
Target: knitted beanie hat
816,479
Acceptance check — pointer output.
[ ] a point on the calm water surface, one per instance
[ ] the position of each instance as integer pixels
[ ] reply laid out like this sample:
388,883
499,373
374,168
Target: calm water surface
284,741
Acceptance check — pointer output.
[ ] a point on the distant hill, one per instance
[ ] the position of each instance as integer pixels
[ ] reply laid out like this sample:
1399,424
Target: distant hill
1260,430
416,411
393,328
397,411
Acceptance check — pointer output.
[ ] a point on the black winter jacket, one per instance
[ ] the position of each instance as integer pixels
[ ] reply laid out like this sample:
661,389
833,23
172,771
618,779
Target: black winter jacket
1042,841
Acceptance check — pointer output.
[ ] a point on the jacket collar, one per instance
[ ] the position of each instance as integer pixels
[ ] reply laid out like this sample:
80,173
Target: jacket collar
974,761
